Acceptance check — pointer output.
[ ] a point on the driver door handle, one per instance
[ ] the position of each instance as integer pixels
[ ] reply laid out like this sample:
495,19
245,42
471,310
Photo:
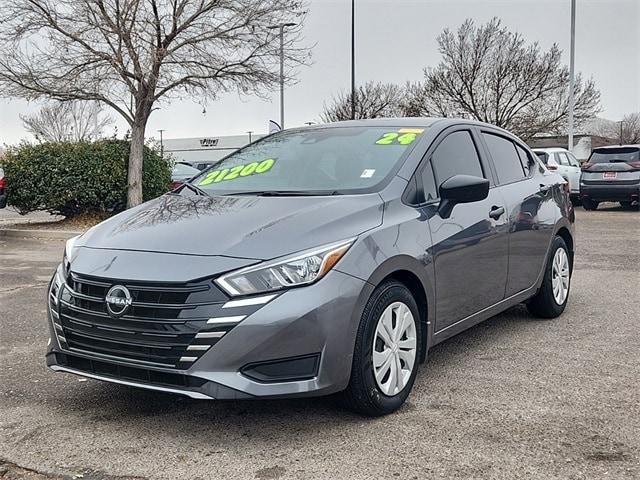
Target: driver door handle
496,212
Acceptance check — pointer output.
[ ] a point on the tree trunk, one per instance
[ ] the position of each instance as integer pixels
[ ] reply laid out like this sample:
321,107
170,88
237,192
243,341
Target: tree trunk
134,176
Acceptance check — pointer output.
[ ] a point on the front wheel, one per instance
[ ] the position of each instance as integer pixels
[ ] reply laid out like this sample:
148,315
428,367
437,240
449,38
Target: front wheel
387,351
551,299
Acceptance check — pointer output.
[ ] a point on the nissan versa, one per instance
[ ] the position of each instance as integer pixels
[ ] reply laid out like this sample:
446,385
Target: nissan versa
316,260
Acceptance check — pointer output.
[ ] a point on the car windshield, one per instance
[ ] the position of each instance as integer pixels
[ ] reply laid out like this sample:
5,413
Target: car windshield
182,169
312,162
612,155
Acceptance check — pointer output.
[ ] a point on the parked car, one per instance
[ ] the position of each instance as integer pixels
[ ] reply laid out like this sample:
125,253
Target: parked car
562,161
199,164
313,261
3,195
611,174
181,173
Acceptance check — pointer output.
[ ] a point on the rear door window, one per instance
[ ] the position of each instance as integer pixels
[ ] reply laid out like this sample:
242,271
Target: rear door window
525,159
563,159
505,158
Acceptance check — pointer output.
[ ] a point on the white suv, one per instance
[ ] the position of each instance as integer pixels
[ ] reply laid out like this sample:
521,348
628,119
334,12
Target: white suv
562,161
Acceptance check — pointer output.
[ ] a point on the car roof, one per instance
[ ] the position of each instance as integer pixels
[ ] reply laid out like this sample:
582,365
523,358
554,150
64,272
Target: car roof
550,149
399,122
613,147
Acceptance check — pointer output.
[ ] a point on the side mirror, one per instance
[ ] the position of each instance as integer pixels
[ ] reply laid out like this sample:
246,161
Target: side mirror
461,189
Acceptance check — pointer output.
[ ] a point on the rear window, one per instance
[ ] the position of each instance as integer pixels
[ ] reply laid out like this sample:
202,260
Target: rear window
544,156
613,155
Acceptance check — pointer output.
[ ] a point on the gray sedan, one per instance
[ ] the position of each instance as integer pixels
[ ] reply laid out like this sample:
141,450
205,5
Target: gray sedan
314,261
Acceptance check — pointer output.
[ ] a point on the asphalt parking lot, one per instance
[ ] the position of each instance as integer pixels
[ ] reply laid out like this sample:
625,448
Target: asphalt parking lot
514,397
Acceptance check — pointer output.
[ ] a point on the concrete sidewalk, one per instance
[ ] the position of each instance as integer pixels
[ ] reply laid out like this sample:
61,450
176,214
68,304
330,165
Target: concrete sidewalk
11,222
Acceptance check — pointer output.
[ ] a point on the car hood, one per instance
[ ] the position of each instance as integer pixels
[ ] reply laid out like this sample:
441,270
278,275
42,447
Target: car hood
248,227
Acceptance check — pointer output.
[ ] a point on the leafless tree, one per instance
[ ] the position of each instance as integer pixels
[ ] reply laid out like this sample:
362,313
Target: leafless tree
625,131
66,121
132,54
490,74
373,100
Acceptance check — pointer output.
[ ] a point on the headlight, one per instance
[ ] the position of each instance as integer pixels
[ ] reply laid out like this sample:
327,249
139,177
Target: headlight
69,251
293,271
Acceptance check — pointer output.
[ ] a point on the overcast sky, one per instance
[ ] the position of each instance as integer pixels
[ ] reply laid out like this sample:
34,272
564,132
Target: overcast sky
395,40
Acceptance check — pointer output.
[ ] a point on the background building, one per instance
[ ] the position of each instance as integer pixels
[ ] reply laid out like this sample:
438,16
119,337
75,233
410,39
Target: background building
205,148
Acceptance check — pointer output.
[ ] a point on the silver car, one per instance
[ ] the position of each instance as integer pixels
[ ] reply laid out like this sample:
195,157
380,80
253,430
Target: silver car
314,261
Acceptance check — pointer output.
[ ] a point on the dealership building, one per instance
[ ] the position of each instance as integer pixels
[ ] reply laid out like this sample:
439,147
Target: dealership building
205,148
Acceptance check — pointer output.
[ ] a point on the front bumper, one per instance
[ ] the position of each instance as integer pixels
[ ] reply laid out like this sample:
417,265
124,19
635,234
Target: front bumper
299,343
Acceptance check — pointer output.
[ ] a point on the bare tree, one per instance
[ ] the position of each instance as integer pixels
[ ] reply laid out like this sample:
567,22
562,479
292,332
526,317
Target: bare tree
66,121
373,100
132,54
490,74
625,131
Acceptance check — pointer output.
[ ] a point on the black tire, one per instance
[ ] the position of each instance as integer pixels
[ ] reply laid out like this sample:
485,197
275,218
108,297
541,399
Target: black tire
365,395
576,200
589,204
551,299
627,203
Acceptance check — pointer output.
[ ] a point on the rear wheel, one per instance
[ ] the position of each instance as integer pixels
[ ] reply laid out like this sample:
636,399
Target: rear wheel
551,299
387,351
589,204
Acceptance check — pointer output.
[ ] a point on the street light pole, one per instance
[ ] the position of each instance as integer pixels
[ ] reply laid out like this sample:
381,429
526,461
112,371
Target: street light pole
282,27
353,59
161,144
571,75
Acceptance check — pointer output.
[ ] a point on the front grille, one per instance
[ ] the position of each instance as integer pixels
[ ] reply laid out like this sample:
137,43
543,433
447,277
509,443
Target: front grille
159,329
134,374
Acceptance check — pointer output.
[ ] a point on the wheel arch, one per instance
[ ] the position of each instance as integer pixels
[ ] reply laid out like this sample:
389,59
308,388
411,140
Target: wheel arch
568,240
412,274
413,284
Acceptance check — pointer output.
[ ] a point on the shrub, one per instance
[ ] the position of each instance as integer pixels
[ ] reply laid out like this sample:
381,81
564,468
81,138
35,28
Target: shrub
73,179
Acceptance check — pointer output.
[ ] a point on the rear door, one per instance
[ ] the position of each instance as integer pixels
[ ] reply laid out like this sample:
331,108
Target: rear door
530,208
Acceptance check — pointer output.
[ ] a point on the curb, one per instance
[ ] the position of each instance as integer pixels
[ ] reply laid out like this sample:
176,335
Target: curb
61,234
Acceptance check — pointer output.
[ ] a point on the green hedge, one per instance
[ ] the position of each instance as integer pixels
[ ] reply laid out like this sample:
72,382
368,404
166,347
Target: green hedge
73,179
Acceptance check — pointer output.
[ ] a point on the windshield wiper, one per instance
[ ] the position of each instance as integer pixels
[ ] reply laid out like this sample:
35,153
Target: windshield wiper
287,193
